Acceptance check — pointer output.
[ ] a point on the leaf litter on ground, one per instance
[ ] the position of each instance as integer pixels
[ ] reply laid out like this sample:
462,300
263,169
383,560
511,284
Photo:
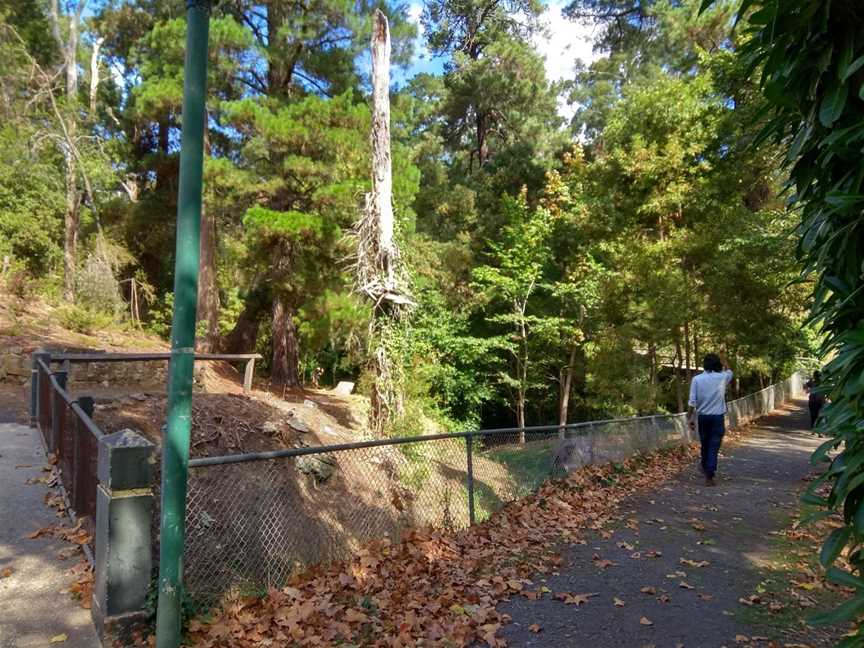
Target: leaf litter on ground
436,587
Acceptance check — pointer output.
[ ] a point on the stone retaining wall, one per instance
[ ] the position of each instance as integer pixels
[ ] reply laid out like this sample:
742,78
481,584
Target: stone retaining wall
15,365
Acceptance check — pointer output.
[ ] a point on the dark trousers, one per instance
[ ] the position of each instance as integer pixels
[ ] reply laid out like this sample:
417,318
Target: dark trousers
815,403
711,430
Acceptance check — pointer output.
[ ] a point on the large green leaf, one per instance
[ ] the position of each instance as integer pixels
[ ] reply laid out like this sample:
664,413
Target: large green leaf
833,103
833,545
849,610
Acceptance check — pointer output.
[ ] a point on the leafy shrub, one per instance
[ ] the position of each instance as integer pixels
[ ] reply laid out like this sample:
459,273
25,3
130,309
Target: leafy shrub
96,286
83,320
811,57
160,316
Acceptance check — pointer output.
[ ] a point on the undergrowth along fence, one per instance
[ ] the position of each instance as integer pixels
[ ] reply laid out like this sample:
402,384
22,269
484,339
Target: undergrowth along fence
255,519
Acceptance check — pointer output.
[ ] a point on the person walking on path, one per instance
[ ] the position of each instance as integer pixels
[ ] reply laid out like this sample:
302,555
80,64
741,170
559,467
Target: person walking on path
707,405
816,398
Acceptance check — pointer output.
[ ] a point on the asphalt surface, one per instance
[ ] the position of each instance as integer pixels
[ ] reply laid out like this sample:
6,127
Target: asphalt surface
728,526
33,607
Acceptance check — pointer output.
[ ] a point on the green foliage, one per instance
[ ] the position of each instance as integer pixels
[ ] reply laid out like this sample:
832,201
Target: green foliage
161,315
83,320
811,58
553,274
31,202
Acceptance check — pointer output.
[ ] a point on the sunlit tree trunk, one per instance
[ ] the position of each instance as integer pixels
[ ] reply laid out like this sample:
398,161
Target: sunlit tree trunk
208,287
679,380
566,384
378,274
68,46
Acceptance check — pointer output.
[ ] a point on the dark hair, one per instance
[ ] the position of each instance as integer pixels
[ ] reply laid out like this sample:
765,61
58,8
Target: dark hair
712,362
817,376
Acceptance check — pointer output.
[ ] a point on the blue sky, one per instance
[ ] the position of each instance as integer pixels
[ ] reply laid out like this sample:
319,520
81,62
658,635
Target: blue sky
563,43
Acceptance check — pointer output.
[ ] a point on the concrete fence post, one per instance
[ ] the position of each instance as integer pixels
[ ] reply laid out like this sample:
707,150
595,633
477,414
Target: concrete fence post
124,511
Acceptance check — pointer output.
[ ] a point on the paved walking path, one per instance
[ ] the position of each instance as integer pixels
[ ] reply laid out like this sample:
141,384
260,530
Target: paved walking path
758,486
33,610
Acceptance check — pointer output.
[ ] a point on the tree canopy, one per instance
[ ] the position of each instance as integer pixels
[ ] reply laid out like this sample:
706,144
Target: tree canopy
574,246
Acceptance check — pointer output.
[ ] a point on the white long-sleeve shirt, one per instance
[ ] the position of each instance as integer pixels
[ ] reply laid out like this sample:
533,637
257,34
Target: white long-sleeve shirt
708,392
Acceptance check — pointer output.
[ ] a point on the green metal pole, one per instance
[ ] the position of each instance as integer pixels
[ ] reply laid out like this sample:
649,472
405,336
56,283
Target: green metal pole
175,447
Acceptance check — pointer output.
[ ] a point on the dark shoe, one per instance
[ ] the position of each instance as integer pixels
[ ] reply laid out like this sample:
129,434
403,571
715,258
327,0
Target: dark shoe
709,480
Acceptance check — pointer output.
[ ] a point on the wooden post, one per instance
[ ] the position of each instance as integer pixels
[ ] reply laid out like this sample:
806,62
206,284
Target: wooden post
247,375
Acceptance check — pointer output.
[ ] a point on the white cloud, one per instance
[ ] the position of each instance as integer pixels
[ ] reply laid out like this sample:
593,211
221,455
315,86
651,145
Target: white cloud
563,43
415,9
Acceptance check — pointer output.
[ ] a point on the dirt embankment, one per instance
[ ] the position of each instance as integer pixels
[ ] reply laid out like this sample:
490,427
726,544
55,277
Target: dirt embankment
258,522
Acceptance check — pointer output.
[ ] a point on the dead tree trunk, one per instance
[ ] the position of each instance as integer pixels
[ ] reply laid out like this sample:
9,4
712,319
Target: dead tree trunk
379,275
94,74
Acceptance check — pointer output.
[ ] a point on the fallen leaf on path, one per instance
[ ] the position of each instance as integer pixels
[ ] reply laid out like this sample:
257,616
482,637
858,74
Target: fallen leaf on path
6,573
23,466
573,599
624,545
750,600
603,564
694,563
534,628
646,621
648,590
39,532
654,554
705,597
59,638
685,585
742,639
664,598
618,602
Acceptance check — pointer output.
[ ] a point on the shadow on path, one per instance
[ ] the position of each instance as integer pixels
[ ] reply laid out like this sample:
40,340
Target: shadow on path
729,526
33,609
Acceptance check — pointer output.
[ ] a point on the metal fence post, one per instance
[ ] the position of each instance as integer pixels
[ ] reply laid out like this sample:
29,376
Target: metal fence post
39,386
175,447
57,414
469,447
34,383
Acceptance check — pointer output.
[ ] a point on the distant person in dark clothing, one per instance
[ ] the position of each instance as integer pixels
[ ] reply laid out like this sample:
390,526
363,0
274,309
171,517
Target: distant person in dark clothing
707,404
816,399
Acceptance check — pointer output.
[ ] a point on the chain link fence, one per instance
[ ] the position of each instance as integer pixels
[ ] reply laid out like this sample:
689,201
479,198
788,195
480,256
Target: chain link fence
254,520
